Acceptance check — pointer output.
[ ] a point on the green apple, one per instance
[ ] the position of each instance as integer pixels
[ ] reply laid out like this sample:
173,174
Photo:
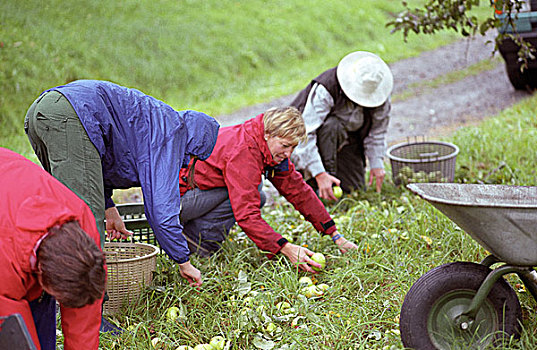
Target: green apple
338,192
271,327
323,287
203,347
311,291
406,171
283,305
172,313
308,293
319,259
218,342
305,280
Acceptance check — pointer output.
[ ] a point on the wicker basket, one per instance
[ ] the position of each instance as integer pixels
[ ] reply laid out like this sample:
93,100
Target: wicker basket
130,269
428,161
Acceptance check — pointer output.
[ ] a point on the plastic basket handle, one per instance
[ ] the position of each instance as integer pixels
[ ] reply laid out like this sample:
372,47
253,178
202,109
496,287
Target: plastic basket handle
111,256
431,154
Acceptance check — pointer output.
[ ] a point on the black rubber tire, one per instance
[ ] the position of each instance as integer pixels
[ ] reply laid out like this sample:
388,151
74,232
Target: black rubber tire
459,277
516,77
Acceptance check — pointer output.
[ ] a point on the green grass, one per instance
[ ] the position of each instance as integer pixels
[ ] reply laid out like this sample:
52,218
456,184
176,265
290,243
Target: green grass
213,56
400,237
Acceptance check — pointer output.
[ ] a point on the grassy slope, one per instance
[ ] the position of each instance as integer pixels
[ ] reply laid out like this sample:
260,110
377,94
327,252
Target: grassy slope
213,56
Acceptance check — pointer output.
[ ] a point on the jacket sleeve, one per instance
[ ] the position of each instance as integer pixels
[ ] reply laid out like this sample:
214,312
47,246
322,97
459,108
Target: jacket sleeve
375,142
9,306
159,179
242,175
306,155
292,186
81,326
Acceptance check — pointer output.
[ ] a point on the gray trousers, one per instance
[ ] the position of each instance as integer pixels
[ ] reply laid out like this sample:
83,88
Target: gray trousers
207,218
64,149
342,154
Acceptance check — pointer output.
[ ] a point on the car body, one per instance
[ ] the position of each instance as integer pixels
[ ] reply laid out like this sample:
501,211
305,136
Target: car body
525,27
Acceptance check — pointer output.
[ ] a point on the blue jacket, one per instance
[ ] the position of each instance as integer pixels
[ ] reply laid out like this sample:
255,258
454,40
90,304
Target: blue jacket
143,142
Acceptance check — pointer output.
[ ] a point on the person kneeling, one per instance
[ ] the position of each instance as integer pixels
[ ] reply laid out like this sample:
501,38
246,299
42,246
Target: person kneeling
226,187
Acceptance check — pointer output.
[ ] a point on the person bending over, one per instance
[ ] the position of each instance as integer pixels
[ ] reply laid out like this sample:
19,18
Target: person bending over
95,136
226,188
346,111
49,251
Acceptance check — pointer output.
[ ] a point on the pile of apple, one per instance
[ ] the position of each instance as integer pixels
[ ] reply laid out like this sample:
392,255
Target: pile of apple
407,175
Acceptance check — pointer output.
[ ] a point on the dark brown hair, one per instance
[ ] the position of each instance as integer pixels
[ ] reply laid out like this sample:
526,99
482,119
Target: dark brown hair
71,266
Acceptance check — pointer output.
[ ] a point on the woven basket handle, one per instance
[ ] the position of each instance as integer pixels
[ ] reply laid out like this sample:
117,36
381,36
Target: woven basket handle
429,155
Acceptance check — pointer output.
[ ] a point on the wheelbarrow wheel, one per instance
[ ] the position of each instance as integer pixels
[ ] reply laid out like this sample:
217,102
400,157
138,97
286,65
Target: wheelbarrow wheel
428,314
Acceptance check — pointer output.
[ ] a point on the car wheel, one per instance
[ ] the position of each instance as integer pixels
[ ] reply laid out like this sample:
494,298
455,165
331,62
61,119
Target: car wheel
516,77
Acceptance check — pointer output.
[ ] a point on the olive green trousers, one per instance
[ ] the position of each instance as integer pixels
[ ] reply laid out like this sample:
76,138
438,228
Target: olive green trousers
64,149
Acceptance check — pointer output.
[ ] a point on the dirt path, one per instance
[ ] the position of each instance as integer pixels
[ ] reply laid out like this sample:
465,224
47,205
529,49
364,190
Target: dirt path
436,111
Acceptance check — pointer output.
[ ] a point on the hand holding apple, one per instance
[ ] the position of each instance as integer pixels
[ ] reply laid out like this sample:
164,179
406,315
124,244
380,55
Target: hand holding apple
320,259
298,255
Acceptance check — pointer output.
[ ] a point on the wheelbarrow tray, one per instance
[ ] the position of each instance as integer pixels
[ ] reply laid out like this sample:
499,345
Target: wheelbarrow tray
502,218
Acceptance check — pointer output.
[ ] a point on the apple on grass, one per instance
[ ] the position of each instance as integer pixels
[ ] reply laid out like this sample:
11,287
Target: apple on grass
218,342
323,287
320,259
305,280
203,347
172,313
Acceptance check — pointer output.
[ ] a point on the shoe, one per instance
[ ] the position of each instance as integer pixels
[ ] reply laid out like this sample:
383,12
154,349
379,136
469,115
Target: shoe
107,327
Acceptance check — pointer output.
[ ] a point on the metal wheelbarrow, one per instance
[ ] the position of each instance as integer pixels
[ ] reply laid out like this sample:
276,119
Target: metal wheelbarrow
465,305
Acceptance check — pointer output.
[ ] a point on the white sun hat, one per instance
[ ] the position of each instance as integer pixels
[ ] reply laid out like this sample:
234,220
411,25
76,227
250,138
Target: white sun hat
365,78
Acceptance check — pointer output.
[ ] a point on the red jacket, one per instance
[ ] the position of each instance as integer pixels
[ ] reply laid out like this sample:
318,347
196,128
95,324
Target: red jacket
238,161
32,201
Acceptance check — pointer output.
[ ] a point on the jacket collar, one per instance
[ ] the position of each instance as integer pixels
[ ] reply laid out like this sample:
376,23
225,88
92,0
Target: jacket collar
256,128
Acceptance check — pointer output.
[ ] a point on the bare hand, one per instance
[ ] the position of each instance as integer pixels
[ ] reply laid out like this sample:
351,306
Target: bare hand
300,256
191,274
325,182
344,245
115,227
378,174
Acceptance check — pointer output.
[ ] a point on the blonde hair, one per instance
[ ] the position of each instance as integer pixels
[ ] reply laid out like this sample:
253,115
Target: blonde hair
285,122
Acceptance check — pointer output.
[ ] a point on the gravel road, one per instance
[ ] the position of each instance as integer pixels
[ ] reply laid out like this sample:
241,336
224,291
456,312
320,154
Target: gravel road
432,110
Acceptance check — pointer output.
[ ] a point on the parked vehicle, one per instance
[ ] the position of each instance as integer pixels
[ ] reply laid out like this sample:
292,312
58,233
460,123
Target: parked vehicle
523,24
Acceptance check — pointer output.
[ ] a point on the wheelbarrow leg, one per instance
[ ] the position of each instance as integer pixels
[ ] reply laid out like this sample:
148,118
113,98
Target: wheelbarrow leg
529,278
467,317
490,260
